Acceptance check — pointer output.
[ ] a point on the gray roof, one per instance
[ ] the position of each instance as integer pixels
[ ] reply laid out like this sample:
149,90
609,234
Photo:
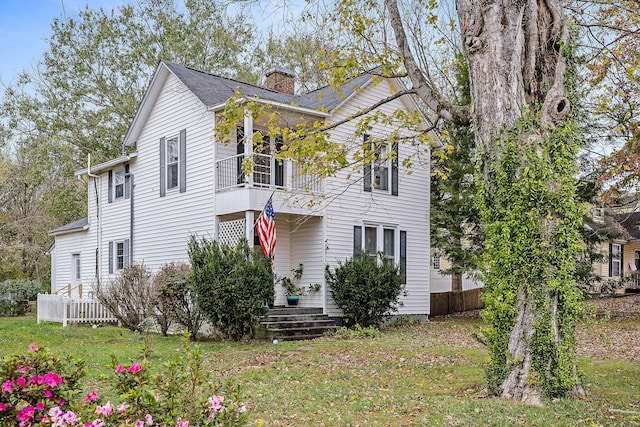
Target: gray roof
72,226
631,223
215,90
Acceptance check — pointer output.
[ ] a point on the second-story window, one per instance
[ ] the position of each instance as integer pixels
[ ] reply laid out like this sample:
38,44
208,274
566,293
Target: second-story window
173,159
173,163
118,178
381,168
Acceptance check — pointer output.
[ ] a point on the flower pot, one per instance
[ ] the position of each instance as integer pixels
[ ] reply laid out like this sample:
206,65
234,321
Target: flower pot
292,300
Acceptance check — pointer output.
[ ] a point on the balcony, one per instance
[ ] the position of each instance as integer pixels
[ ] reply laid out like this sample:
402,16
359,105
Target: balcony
237,192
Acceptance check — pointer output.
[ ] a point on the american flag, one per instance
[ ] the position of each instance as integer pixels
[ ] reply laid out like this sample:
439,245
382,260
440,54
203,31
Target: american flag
266,228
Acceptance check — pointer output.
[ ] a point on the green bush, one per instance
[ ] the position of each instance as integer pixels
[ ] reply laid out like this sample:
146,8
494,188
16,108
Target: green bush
366,289
175,299
22,289
233,285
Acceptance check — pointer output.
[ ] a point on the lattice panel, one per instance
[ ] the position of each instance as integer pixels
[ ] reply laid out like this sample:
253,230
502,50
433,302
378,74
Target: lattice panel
230,232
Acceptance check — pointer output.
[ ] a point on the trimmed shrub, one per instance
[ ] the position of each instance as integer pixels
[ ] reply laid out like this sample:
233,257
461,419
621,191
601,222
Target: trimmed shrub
233,285
129,297
366,289
22,289
175,299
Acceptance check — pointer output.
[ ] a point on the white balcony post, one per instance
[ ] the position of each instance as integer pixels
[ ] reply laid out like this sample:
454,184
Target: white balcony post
288,173
248,142
248,224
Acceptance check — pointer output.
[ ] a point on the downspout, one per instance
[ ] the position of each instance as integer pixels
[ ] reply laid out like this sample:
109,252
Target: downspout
98,218
131,216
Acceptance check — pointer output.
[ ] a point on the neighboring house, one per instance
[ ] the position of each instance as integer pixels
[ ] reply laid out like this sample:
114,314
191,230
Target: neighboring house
621,253
441,282
179,181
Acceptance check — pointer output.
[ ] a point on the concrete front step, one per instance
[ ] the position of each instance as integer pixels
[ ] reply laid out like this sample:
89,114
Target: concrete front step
279,311
288,324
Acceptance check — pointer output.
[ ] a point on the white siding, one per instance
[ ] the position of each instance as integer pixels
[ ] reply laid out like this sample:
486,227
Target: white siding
163,224
307,247
409,211
65,246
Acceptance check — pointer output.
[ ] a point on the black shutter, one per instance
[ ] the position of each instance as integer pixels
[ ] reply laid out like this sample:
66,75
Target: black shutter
110,257
110,187
403,255
279,164
239,150
183,160
163,170
394,171
367,167
357,241
610,259
621,260
127,253
127,182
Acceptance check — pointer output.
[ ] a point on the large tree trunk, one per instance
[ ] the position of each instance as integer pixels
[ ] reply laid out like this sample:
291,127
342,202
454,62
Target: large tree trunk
517,68
526,140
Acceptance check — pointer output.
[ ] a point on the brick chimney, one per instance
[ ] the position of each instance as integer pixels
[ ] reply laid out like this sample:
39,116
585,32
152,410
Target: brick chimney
281,80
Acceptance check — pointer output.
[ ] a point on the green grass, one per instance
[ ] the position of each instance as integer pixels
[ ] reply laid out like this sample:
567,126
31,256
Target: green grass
425,375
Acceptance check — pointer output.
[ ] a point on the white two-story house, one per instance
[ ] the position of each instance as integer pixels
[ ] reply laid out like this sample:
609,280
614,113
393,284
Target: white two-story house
179,181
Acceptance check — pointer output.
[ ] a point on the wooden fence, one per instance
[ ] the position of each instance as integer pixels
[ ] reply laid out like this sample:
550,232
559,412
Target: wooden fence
65,310
449,302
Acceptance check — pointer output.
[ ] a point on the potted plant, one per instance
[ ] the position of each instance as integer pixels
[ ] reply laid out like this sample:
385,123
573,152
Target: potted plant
291,289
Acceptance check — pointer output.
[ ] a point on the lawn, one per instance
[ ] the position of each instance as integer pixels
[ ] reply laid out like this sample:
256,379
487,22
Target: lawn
426,375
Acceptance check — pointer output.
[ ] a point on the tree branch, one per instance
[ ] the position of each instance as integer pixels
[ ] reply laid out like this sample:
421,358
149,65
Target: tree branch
424,88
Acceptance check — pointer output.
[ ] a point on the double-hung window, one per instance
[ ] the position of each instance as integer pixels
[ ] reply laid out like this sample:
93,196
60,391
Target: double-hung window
173,163
616,260
119,255
436,262
173,158
381,173
118,178
373,239
382,168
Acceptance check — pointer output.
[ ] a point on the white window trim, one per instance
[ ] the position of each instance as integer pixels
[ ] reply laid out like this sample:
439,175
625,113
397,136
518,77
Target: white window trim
385,161
436,261
616,253
380,238
76,268
167,163
116,173
116,268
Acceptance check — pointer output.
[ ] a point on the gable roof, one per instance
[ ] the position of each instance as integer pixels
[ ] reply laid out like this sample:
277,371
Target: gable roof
213,90
79,225
631,223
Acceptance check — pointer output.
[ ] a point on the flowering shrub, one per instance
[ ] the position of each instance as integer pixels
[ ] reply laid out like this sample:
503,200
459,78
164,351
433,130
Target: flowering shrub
42,390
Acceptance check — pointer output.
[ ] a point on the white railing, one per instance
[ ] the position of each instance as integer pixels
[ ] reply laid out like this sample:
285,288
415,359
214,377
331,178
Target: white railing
65,310
267,172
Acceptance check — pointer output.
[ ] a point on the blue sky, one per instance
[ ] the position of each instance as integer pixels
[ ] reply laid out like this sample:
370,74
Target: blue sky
26,24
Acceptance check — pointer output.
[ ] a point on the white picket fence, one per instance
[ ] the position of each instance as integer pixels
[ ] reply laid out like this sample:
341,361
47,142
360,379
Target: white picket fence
65,310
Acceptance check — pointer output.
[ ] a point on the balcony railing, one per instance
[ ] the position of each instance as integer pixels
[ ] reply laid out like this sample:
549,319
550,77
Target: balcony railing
267,173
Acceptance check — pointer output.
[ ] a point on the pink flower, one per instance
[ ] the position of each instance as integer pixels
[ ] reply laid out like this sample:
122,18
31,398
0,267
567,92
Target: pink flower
105,410
20,382
119,368
6,386
47,393
148,420
32,348
134,368
123,407
26,413
3,407
40,406
52,379
139,423
36,379
180,423
70,418
91,396
215,403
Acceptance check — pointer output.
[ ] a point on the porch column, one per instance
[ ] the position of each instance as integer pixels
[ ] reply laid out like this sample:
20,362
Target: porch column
288,171
249,219
248,143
